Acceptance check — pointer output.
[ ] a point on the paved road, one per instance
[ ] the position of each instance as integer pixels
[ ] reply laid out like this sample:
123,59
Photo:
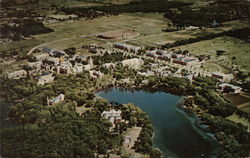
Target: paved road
65,39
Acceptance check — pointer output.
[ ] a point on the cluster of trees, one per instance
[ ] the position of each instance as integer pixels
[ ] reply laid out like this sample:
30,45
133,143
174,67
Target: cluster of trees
241,34
70,51
35,96
137,117
144,6
23,28
61,133
233,136
210,100
171,29
83,12
243,75
16,89
206,16
120,72
172,84
144,143
110,58
41,127
214,104
182,15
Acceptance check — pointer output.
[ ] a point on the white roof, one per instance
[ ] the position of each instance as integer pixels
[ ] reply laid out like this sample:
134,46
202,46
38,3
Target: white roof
229,85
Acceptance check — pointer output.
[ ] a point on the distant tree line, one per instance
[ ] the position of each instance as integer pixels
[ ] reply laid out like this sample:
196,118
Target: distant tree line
211,15
145,6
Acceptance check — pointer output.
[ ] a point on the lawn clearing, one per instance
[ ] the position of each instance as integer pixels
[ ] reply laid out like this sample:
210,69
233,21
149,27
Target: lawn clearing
236,51
236,118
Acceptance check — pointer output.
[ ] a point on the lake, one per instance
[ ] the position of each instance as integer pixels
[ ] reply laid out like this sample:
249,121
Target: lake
176,133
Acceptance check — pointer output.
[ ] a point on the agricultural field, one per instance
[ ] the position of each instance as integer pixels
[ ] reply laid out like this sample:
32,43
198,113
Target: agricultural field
236,52
239,119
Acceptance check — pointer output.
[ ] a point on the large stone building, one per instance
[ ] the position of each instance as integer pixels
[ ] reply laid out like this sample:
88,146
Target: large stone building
41,56
17,74
230,88
45,78
113,116
56,100
127,47
134,63
222,77
35,65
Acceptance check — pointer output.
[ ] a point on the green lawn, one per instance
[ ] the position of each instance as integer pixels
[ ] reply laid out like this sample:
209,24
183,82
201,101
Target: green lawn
237,51
148,24
236,118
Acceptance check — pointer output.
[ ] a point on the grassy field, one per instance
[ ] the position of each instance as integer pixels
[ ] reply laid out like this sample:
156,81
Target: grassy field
239,119
160,38
213,67
22,46
12,66
76,42
73,33
236,51
90,27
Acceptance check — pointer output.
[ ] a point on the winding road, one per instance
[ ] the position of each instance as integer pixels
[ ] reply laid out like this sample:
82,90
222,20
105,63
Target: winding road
65,39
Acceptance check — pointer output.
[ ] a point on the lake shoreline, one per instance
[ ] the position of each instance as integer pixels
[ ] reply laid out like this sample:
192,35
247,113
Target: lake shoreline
197,125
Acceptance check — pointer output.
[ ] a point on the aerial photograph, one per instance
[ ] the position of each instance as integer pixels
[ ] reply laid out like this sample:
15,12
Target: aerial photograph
124,78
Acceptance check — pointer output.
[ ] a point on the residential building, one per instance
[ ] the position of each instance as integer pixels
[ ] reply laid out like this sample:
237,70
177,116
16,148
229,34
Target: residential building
189,77
48,50
55,61
87,67
56,100
65,67
96,74
222,77
113,116
148,73
186,61
109,65
127,47
231,88
41,56
35,65
191,28
17,74
78,68
57,54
